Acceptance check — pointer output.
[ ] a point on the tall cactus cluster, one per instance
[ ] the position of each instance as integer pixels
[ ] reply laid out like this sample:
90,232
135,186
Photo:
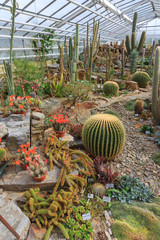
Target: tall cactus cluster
103,135
131,45
73,55
155,88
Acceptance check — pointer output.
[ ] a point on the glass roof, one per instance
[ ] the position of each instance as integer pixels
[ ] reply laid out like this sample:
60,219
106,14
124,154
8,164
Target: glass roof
115,16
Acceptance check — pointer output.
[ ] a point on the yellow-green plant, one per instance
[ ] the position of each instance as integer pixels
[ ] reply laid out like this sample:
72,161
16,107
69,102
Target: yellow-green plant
110,88
142,78
103,135
57,85
2,153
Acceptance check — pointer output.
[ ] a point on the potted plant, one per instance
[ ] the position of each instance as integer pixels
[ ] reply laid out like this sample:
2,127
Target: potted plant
19,105
38,168
59,124
36,104
26,155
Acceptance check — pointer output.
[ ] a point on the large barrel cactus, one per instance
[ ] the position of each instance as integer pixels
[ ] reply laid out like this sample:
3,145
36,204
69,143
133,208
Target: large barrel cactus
142,78
103,135
110,88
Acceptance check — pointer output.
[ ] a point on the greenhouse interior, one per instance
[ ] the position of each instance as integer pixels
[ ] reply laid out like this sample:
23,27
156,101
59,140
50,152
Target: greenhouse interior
80,119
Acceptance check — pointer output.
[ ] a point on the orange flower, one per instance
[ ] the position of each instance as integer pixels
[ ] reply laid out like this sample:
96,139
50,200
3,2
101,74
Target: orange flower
34,148
0,139
24,150
27,153
29,102
18,162
21,146
19,150
11,104
28,97
11,100
28,144
21,106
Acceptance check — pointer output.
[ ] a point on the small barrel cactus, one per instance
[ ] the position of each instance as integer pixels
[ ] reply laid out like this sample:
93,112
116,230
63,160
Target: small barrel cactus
2,153
139,106
98,189
142,78
103,135
114,113
110,88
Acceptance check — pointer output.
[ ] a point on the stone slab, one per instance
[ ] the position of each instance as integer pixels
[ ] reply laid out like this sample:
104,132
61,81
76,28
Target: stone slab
15,217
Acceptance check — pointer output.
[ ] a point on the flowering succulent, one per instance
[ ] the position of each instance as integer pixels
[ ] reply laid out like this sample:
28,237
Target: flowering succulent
36,102
19,104
26,154
59,122
37,167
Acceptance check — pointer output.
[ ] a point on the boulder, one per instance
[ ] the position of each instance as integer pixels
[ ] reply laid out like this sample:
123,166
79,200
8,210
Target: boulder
38,116
3,130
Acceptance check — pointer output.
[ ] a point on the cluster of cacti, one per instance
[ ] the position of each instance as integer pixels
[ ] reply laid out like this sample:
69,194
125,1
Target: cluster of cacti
142,78
2,153
73,55
138,106
37,168
155,88
98,189
63,157
103,135
50,211
131,45
110,88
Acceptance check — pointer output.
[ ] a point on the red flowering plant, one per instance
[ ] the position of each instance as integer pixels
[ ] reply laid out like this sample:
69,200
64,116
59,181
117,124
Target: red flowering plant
26,154
19,104
59,122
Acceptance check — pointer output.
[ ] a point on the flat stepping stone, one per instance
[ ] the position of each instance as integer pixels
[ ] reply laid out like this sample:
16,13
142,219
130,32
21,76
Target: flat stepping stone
15,217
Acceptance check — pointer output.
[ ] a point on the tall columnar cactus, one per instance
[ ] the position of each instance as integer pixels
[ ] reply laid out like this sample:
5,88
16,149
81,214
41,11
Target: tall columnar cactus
73,55
156,89
143,55
153,46
133,61
66,54
123,63
138,106
108,64
103,135
131,44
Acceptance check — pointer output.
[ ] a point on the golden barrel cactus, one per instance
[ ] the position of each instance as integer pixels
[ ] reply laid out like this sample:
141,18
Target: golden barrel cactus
103,135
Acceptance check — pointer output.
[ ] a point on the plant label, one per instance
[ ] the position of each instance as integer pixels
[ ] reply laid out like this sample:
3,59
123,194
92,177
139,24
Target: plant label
90,180
72,107
106,199
136,115
86,216
90,195
147,132
110,185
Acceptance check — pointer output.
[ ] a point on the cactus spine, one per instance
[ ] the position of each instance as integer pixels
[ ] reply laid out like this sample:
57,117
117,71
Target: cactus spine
156,88
103,135
132,46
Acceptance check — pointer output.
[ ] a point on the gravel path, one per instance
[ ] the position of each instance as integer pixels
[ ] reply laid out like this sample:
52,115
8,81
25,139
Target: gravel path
135,158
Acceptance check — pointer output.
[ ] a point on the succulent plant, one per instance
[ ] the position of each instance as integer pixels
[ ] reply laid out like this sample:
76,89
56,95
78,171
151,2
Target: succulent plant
2,153
142,78
110,88
138,106
38,167
98,189
103,135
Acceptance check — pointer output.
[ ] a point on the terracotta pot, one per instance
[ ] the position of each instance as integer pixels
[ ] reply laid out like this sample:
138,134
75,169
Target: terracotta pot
60,134
24,113
35,109
24,166
40,179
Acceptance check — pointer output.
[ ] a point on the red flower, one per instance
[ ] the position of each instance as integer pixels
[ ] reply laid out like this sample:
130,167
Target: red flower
18,162
19,150
45,160
21,146
27,153
28,97
28,144
19,98
11,104
51,120
24,150
0,139
21,106
34,148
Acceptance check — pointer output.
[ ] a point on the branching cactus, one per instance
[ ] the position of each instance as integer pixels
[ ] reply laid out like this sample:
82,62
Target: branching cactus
131,44
156,88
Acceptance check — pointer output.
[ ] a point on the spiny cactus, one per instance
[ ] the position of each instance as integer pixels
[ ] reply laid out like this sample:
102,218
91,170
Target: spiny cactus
98,189
37,168
103,135
155,88
2,153
133,61
138,106
131,45
142,78
110,88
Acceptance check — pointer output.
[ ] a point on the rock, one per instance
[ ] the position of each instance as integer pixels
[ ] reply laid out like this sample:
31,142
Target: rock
32,94
106,214
157,134
108,235
110,231
38,116
67,137
131,85
3,130
108,224
16,117
15,217
35,233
